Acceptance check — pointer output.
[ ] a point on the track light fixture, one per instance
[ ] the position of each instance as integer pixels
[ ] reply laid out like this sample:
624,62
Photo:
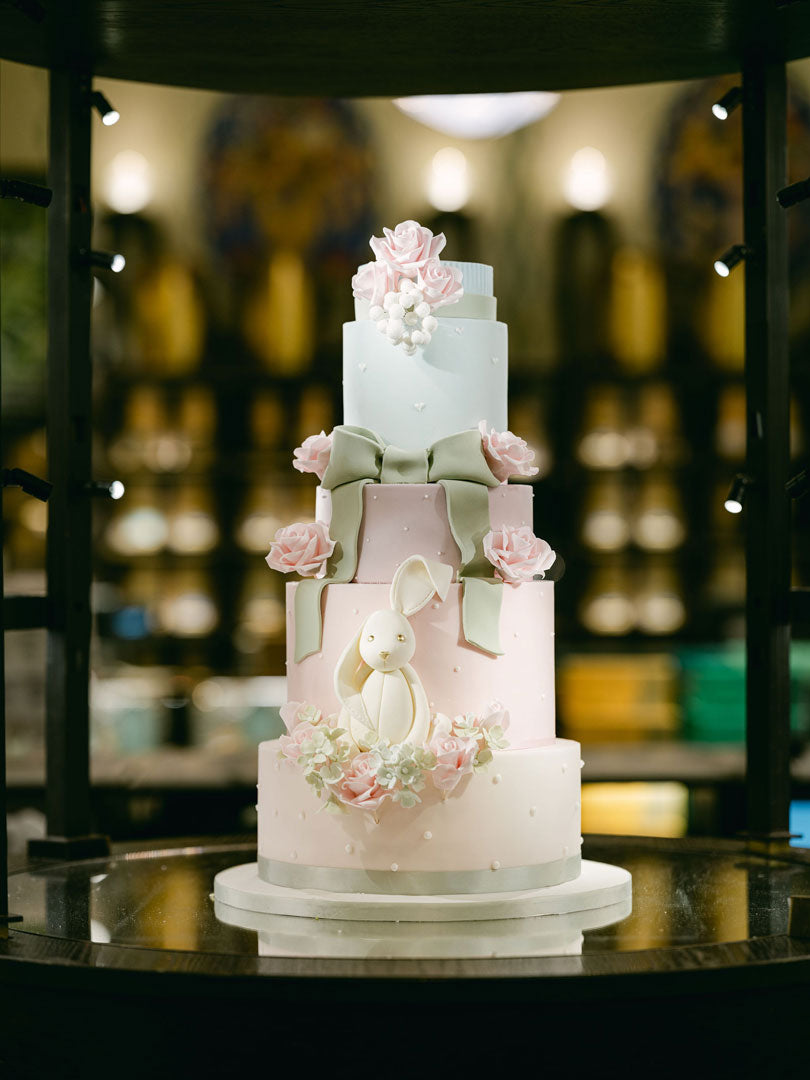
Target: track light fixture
107,260
25,192
108,114
31,485
723,108
736,494
106,489
729,259
794,193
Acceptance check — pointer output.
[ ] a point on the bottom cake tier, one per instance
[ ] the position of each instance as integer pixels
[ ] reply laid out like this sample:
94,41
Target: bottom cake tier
514,825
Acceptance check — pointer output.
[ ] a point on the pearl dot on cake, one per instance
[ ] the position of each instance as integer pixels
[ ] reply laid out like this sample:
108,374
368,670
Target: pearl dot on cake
394,867
581,763
495,864
426,496
349,849
457,668
495,359
362,366
428,835
459,330
355,611
419,405
293,854
532,811
496,779
564,768
406,528
303,815
436,606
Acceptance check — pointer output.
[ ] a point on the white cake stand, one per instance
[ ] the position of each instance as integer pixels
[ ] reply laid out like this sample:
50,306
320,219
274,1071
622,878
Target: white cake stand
599,885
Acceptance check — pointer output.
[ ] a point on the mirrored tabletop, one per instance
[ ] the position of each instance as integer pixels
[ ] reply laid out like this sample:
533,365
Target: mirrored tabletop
686,895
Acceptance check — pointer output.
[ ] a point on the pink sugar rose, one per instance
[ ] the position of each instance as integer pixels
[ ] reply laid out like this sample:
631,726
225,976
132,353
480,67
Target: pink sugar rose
516,553
454,758
312,456
439,283
408,247
494,715
373,280
290,745
303,547
507,454
359,786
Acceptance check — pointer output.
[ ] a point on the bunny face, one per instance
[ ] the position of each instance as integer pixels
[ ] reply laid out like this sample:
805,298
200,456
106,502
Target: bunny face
387,641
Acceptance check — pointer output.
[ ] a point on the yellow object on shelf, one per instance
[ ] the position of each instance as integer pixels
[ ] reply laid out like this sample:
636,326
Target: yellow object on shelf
608,698
635,809
638,310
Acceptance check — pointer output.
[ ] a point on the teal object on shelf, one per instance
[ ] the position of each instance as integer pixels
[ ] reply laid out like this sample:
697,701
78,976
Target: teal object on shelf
713,692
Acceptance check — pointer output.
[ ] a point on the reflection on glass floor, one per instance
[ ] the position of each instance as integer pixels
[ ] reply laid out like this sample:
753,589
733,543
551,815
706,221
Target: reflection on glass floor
162,900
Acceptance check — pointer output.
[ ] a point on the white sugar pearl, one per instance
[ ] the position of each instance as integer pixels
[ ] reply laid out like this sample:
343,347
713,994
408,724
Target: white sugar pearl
382,326
349,849
376,312
430,323
303,815
418,338
424,497
436,605
355,611
427,338
395,866
391,298
396,311
406,528
532,811
496,779
456,668
459,330
293,855
411,319
495,864
395,328
428,835
422,310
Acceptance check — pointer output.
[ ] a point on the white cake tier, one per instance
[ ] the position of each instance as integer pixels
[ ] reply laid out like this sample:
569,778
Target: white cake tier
400,519
457,677
450,385
513,826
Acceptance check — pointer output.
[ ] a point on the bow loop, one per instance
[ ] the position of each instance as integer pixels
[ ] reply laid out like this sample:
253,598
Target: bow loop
360,456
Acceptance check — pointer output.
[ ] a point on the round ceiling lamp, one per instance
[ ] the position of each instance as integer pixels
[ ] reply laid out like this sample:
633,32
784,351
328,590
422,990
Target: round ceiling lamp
478,116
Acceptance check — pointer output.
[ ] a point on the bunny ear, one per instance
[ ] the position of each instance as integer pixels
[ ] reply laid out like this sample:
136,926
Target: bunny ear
416,581
347,670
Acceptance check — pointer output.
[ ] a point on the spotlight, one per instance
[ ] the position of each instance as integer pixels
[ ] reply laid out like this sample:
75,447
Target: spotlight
31,485
106,489
729,259
108,114
794,193
108,260
723,108
25,192
798,485
736,494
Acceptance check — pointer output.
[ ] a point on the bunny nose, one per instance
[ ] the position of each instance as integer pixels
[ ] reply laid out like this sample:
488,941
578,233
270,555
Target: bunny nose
384,655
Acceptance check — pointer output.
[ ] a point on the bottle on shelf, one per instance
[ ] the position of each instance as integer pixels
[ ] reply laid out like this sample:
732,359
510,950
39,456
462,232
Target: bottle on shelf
603,443
659,601
607,606
658,522
605,517
637,322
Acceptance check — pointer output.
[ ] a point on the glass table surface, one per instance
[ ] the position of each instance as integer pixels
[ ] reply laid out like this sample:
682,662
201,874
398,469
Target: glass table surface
687,897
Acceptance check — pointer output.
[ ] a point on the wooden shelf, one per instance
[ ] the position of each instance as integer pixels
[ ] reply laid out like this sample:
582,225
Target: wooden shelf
365,48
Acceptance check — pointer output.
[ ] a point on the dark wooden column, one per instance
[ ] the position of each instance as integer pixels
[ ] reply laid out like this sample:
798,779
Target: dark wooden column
766,510
69,560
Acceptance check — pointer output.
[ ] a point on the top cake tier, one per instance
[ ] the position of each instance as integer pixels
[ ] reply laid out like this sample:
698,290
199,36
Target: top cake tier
458,379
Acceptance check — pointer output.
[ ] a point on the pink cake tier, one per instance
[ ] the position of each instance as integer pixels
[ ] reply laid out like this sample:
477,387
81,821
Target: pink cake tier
515,825
457,677
400,519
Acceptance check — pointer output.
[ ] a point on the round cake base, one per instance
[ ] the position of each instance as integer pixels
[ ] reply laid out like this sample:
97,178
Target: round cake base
598,886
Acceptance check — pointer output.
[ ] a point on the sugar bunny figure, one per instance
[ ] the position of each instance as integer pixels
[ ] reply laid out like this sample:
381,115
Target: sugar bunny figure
382,696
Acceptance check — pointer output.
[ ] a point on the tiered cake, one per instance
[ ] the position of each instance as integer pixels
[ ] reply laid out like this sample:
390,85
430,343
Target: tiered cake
420,777
421,755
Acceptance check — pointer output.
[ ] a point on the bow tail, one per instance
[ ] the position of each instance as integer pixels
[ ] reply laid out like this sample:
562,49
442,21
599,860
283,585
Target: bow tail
347,515
468,515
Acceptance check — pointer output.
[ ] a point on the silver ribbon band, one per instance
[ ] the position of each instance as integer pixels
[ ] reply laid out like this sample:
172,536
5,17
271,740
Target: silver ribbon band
418,882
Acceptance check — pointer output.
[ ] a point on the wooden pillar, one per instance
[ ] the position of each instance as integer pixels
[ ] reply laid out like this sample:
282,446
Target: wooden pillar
767,520
69,425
